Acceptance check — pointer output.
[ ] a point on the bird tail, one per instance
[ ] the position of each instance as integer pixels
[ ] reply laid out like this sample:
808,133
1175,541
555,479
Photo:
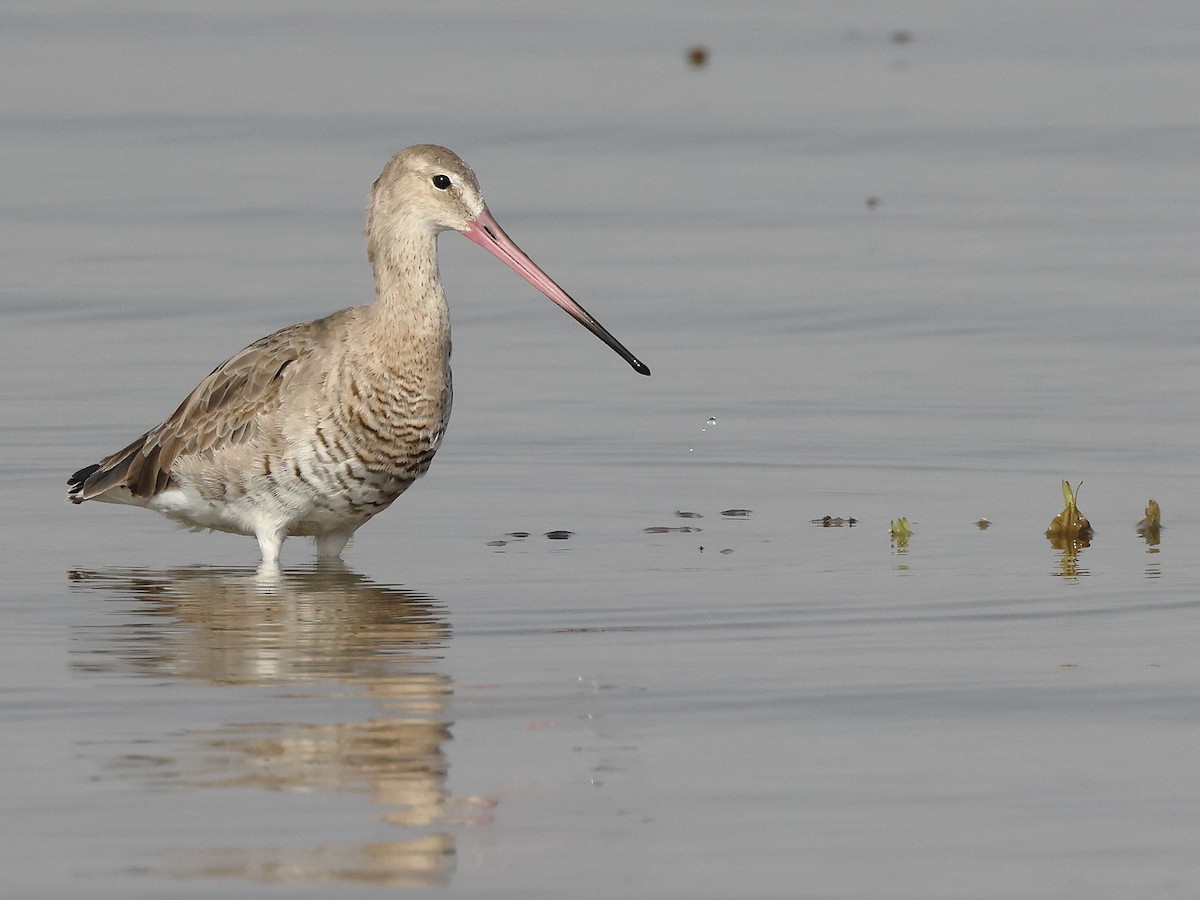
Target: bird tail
118,478
76,482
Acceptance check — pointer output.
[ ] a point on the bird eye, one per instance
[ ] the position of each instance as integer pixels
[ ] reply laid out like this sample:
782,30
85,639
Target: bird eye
441,182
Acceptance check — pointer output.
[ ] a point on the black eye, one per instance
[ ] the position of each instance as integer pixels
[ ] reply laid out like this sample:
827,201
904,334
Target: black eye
441,182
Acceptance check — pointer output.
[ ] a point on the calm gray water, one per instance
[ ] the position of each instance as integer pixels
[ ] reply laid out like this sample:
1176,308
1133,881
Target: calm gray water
761,708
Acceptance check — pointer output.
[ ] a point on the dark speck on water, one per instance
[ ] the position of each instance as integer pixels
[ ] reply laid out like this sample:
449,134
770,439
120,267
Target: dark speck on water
735,513
560,535
835,522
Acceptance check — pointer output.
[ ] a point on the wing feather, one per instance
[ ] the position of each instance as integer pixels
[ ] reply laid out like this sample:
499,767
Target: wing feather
225,409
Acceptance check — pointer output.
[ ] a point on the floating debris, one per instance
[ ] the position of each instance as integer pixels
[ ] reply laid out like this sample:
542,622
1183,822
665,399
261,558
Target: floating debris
560,535
1153,518
1069,531
983,524
667,529
900,528
579,630
834,522
1150,526
735,513
518,535
680,514
726,551
1070,524
903,36
872,202
697,57
497,543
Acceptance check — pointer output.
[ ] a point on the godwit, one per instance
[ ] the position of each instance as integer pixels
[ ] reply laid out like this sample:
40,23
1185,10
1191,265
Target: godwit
316,428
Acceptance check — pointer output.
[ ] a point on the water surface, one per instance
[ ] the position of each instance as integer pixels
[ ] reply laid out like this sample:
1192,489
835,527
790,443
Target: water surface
926,276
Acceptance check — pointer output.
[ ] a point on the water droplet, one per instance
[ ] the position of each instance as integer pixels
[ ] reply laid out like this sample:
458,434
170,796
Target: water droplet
712,420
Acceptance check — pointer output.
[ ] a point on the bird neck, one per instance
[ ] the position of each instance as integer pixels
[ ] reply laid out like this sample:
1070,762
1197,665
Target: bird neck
410,304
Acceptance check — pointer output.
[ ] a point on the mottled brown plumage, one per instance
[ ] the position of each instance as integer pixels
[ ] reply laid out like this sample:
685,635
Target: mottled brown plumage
316,428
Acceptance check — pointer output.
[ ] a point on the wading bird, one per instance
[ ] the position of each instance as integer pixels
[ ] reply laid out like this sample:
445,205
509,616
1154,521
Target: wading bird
320,426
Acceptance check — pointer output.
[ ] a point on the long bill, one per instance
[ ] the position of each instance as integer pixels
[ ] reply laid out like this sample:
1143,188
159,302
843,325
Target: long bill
487,233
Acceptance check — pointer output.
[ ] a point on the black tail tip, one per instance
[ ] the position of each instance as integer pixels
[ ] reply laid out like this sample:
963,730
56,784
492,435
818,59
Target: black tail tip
75,482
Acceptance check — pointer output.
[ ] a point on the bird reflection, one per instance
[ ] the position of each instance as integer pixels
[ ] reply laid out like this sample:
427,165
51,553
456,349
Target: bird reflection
334,632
